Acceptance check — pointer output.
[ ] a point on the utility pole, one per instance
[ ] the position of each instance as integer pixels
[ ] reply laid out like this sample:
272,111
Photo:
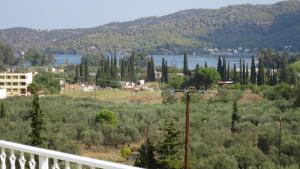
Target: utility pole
187,93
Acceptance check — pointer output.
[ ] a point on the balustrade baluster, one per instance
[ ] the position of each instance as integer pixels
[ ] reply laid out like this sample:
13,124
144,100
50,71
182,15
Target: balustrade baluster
12,159
32,162
22,161
3,158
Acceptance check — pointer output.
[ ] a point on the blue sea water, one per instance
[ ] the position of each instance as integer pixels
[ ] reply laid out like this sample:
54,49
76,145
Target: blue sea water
173,60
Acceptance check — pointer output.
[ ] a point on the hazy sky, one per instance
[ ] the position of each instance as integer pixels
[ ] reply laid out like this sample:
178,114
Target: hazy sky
54,14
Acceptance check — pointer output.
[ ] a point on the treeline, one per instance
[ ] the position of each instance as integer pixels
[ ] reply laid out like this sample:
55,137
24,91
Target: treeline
35,57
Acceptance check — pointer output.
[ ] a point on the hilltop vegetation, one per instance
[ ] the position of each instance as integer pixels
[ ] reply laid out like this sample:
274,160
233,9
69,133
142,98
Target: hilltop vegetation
248,26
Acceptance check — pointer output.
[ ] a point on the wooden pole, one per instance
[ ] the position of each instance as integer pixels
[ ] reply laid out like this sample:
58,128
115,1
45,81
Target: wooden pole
187,130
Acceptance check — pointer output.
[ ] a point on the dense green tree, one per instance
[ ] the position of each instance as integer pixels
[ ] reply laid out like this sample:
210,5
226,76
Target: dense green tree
205,64
234,117
253,71
38,130
241,72
205,77
247,74
244,73
146,157
235,75
228,72
2,110
297,95
7,56
98,75
261,72
168,151
132,68
224,70
150,70
81,72
185,65
219,65
164,67
38,58
219,161
86,71
283,68
105,119
77,74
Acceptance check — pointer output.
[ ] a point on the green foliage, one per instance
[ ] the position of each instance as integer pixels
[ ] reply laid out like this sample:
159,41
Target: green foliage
169,154
2,110
297,95
37,124
185,65
176,82
125,152
205,77
234,117
219,161
168,97
38,58
146,157
7,56
106,117
261,72
47,82
282,91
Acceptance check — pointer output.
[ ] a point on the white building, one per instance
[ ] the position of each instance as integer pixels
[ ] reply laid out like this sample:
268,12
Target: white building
15,83
2,93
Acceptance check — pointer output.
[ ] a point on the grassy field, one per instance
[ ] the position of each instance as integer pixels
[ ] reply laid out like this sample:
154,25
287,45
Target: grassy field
119,96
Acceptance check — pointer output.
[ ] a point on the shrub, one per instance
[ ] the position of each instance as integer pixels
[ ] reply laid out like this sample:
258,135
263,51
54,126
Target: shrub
168,97
125,152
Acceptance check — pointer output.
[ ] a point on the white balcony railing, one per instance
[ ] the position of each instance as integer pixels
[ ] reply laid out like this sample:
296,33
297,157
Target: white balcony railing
59,158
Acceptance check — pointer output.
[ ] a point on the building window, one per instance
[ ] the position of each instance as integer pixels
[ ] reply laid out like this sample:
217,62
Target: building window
22,84
15,90
22,77
15,77
1,83
8,77
1,77
15,83
8,83
8,90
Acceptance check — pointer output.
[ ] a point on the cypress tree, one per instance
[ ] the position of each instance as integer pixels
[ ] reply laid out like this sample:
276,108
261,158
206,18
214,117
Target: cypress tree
205,64
234,73
228,72
283,71
185,65
261,72
219,66
2,110
122,70
253,71
81,71
241,72
234,117
112,66
132,69
115,67
86,71
107,68
77,75
152,70
163,71
37,124
224,70
244,72
166,73
98,75
247,74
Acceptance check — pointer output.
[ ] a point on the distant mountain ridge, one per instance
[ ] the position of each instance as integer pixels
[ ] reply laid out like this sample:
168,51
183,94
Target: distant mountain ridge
248,26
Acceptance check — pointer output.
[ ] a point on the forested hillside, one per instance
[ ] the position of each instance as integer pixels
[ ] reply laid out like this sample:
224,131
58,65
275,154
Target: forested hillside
249,26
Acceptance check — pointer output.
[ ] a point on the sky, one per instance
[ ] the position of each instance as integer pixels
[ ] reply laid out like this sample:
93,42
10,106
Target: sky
58,14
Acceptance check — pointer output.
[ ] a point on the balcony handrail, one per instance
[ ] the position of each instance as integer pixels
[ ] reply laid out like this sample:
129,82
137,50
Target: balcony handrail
63,156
